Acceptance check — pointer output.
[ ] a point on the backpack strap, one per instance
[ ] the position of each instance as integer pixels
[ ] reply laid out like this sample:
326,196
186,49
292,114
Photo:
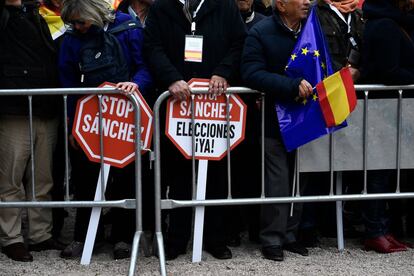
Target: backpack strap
127,25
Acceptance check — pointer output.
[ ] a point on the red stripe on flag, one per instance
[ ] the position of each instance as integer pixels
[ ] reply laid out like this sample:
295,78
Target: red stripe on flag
325,106
349,88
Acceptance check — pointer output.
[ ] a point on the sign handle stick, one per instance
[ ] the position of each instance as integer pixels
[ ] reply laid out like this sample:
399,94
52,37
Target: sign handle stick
94,220
199,211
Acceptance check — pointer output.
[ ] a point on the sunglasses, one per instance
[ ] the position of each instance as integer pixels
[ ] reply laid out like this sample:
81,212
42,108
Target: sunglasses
77,21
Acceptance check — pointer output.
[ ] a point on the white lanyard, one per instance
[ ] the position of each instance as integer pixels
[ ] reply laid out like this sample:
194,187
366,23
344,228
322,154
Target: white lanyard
250,18
340,15
198,8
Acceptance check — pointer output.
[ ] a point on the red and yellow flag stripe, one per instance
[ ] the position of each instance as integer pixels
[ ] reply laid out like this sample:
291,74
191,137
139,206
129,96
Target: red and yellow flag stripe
337,97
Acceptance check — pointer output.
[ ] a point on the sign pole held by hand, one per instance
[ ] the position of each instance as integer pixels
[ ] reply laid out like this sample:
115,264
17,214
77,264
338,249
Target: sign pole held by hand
95,216
199,211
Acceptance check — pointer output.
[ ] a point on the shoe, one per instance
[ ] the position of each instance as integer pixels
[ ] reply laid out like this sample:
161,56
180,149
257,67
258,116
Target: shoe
273,253
73,250
220,252
309,238
171,252
382,245
18,252
234,241
296,247
122,250
396,242
49,244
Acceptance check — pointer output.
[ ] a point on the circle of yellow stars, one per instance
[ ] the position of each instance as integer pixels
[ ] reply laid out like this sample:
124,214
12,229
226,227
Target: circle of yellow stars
316,54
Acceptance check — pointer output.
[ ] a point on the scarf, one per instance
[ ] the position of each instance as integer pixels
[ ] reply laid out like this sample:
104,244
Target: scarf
344,6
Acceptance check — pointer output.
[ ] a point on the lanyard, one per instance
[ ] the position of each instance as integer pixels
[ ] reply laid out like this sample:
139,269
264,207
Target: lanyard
188,13
250,18
340,15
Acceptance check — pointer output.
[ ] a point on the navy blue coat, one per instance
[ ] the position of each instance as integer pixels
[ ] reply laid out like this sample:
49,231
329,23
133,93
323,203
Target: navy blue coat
266,52
388,52
131,41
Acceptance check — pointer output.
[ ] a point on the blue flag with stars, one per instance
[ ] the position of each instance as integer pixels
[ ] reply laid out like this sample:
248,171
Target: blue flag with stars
301,121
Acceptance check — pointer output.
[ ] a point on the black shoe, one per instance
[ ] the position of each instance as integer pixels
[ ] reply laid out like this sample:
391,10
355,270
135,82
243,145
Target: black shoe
274,253
49,244
121,251
233,241
171,252
309,238
17,252
220,252
297,248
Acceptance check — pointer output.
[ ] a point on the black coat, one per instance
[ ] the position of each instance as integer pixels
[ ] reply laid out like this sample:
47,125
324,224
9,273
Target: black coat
266,52
27,60
388,51
220,24
336,33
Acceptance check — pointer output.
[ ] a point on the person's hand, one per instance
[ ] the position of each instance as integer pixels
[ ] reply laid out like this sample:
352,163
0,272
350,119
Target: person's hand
180,90
217,85
355,74
127,87
305,89
73,142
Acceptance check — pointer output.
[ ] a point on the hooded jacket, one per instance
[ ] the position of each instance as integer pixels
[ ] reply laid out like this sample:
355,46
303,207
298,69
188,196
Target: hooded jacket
388,51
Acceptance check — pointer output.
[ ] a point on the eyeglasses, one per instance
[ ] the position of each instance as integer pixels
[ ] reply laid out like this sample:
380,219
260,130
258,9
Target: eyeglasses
77,21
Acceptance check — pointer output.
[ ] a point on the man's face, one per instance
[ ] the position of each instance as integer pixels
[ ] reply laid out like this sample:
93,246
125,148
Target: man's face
295,10
244,5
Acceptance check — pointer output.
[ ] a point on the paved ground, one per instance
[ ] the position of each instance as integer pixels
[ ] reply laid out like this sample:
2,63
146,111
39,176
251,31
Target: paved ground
247,260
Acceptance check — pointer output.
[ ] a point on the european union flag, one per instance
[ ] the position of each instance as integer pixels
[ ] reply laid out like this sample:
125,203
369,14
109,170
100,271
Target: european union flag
301,121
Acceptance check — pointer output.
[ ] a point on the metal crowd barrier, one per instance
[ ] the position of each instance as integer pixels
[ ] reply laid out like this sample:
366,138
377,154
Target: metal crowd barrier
135,203
335,153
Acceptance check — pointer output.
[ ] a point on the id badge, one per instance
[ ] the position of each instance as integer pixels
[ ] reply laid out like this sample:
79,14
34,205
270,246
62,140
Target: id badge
193,51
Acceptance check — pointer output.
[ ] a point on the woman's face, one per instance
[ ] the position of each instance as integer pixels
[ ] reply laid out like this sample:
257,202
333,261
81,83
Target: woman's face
80,25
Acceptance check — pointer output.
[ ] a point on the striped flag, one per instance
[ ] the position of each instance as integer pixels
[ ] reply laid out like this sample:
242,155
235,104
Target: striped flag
337,97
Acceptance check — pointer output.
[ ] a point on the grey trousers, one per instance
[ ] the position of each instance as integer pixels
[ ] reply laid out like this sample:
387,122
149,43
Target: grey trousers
15,176
277,227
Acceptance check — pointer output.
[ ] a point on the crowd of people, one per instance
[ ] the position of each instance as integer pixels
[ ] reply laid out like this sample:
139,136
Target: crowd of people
143,43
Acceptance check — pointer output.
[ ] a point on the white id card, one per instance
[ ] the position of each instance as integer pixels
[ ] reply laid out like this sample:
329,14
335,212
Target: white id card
193,51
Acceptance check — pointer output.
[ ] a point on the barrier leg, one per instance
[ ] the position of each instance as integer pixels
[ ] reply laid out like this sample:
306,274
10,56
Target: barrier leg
134,253
339,219
161,254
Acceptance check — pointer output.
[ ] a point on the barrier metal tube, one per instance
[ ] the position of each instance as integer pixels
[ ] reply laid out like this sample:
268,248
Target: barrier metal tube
66,134
138,186
229,196
32,156
399,125
365,141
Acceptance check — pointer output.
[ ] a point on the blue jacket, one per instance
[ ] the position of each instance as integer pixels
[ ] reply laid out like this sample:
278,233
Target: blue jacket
267,50
131,41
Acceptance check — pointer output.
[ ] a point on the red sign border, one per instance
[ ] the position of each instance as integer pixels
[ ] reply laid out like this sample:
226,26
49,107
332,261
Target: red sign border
205,157
132,155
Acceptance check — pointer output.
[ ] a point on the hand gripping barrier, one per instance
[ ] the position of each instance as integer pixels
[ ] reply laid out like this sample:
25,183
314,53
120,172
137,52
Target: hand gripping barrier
125,203
332,153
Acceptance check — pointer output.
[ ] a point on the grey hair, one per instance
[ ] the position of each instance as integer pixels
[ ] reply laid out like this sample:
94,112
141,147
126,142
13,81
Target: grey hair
99,12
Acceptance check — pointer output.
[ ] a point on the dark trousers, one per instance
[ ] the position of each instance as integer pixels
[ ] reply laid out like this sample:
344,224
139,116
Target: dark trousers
176,177
121,185
374,212
277,227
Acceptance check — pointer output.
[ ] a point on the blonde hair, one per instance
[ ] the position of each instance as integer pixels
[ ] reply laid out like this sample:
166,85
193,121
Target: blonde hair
99,12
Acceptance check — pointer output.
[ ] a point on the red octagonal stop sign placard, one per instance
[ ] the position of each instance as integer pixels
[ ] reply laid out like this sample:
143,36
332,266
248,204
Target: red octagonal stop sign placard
210,127
118,127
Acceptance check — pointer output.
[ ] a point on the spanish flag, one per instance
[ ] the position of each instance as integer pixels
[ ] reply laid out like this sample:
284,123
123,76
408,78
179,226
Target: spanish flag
53,20
337,97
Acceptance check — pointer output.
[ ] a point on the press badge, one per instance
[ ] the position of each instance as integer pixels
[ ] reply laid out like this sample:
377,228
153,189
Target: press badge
193,51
